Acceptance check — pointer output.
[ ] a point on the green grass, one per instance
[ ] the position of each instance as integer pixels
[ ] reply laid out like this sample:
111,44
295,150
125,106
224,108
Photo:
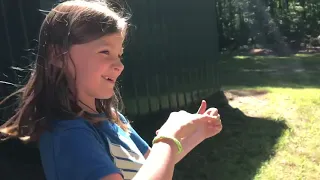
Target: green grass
293,98
275,132
297,153
299,71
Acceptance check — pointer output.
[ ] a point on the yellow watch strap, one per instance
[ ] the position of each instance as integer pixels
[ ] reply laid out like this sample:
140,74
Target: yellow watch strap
175,140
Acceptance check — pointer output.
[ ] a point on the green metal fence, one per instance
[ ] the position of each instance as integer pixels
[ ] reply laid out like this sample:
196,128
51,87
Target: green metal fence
171,56
171,60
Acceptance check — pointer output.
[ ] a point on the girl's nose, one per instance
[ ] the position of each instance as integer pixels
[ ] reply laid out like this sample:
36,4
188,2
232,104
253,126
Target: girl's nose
118,67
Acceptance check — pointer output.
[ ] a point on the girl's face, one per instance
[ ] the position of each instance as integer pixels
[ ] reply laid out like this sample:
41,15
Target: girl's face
96,66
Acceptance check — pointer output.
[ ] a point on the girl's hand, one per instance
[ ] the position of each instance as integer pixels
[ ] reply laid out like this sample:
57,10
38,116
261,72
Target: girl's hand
183,125
216,125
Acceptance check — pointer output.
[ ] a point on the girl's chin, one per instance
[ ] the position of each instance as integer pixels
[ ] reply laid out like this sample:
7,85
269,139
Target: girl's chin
106,96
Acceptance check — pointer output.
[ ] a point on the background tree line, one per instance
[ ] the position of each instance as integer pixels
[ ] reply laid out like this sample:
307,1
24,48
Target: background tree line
279,25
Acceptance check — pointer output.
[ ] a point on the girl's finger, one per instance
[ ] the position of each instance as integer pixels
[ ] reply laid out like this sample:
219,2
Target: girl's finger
203,107
212,112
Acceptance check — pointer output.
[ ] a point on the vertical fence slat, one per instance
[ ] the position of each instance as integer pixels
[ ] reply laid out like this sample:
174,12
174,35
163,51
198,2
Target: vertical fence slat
8,39
23,24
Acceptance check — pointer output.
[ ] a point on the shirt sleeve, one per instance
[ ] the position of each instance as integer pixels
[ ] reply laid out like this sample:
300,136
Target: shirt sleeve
140,143
79,155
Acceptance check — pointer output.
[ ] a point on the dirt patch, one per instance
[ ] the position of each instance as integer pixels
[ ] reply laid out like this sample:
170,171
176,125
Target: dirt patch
248,98
233,94
261,52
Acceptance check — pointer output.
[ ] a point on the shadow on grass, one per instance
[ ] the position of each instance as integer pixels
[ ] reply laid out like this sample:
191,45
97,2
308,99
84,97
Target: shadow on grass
236,153
299,71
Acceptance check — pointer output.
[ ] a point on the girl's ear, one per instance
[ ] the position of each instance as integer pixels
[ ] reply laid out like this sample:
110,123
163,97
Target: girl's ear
55,62
56,56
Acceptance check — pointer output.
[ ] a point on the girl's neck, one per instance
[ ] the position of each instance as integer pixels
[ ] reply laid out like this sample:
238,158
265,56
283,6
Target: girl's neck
88,107
87,103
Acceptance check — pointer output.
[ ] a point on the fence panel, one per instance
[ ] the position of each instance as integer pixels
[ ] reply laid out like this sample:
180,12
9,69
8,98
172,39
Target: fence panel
173,56
19,25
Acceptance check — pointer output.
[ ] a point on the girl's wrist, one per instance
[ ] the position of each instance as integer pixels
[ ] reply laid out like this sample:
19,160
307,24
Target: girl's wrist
169,140
166,142
165,149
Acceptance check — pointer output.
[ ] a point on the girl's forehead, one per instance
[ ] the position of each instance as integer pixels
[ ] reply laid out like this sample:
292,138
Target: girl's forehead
110,40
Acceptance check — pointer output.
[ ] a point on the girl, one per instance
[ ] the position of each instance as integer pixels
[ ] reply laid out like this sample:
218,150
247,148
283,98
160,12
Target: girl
70,104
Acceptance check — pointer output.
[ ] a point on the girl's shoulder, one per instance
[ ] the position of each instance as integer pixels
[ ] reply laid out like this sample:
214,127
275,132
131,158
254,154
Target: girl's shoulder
72,128
77,144
62,125
123,118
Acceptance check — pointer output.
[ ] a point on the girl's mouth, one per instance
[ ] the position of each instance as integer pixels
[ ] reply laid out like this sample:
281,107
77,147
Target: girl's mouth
111,80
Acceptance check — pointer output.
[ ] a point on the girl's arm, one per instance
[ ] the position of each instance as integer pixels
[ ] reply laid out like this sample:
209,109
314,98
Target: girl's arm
159,165
191,144
194,140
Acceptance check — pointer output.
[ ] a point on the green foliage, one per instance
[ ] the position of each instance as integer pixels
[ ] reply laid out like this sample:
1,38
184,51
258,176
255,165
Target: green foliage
271,24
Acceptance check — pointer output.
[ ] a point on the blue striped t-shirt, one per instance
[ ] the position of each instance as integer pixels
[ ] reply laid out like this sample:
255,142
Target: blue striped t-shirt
77,150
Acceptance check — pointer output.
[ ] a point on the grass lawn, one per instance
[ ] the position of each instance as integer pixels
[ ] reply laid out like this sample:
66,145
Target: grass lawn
275,132
297,152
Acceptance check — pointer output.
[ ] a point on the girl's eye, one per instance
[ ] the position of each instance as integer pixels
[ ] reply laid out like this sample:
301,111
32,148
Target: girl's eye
105,52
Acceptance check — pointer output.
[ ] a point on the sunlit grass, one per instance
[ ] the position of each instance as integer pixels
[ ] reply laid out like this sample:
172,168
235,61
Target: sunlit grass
297,153
306,55
262,57
294,98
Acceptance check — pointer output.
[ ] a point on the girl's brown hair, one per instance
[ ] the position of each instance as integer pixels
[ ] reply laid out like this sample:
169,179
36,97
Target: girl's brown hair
46,96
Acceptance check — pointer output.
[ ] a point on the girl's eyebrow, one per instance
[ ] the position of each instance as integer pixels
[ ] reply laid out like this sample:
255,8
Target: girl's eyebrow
103,43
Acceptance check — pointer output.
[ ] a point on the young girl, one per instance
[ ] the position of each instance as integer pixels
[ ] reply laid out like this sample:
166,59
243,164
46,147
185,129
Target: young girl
69,104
